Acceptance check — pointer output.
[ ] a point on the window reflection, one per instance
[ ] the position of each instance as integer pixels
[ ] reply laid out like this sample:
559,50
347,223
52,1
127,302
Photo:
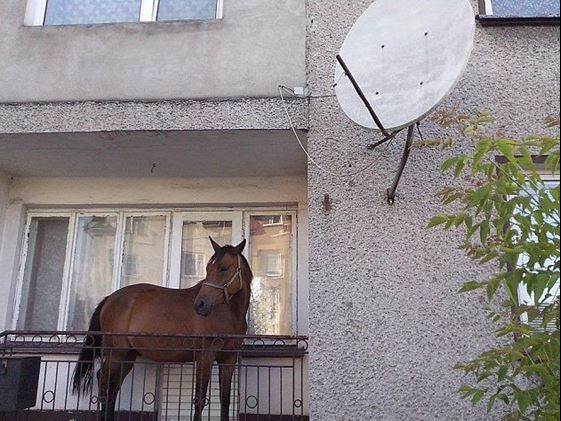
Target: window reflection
271,262
143,250
187,9
72,12
525,8
196,249
93,267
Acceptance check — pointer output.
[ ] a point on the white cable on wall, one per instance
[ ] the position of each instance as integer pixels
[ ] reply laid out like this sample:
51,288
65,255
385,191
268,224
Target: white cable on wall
325,170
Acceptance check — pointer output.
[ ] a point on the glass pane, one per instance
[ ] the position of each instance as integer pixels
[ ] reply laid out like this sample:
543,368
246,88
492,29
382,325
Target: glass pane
525,8
93,267
271,261
143,251
44,271
69,12
549,295
187,10
196,249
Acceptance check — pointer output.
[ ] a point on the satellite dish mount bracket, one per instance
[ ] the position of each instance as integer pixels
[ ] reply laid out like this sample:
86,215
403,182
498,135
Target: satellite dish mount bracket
390,193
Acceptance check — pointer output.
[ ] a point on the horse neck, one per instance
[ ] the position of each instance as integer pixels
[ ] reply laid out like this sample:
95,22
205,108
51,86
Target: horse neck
240,302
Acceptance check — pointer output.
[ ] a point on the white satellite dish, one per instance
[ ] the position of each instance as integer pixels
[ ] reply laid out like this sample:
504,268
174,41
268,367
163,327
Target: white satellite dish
406,56
401,59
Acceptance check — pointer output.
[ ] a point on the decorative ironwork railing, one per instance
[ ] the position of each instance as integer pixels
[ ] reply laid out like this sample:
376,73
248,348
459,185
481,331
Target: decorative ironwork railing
269,383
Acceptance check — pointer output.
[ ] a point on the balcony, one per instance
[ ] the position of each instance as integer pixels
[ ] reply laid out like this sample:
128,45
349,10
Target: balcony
269,382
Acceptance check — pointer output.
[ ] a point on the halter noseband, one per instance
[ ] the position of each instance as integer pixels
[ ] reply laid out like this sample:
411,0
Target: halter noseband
224,288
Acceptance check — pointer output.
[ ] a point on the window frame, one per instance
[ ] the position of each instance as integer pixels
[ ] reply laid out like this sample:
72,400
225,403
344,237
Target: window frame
179,218
172,266
294,323
36,11
487,18
546,177
28,254
522,295
72,237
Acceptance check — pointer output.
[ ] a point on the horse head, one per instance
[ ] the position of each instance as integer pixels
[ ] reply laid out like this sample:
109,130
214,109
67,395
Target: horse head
227,273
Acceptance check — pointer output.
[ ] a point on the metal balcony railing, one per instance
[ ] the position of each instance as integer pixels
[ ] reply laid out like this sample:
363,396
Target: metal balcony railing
269,382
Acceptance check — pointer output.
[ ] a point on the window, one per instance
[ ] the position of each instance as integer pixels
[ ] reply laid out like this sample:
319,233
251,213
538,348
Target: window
72,259
549,296
69,12
187,10
92,266
271,259
143,249
82,12
518,11
43,273
196,249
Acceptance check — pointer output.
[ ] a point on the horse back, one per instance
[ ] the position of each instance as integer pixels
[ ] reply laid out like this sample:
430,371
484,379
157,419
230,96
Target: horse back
155,316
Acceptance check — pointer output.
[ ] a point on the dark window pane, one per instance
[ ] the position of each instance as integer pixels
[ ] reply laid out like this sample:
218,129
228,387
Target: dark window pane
44,271
68,12
525,8
187,10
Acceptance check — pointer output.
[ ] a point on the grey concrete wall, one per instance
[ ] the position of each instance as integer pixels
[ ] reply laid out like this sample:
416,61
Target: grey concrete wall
386,324
257,45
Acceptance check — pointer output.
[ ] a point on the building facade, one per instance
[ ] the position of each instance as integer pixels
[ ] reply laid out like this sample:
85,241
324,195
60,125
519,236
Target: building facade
124,145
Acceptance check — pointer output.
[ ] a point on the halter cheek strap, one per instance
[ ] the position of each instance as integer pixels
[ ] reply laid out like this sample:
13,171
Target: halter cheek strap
224,288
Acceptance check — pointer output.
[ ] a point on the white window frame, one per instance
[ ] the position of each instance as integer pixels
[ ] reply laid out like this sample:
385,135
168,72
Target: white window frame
179,218
294,267
36,11
524,298
26,253
175,218
73,216
486,12
121,249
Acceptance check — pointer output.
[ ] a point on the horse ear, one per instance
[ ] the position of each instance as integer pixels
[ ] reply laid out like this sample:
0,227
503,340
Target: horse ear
239,248
215,245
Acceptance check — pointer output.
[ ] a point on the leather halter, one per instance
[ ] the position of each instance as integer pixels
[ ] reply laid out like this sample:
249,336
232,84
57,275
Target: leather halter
224,288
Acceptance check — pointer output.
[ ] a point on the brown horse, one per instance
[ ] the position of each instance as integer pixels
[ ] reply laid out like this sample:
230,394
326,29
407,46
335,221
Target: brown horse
216,306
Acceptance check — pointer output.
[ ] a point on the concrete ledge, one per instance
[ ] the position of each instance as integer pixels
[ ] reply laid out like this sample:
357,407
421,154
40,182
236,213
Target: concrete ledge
229,114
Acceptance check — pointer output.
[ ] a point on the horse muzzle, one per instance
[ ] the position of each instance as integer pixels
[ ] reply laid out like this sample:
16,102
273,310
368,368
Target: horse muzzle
203,307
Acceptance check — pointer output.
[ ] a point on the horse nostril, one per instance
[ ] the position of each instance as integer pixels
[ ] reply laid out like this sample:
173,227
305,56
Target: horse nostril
202,307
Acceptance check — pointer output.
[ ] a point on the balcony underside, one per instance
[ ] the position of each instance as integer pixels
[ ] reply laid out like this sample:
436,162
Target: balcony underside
199,154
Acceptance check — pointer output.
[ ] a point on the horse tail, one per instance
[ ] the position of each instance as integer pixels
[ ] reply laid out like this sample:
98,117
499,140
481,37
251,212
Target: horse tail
83,373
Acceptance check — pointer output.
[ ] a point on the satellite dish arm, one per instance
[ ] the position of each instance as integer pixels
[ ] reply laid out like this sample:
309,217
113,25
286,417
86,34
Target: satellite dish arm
390,193
360,93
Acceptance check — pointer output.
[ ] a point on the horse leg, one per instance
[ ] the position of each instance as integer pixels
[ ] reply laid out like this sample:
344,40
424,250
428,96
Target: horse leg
204,371
226,372
115,368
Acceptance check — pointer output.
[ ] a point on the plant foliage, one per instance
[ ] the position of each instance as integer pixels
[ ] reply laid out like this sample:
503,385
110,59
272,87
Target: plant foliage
510,219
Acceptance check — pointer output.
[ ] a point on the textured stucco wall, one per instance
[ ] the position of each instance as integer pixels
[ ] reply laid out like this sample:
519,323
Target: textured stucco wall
257,45
386,324
235,114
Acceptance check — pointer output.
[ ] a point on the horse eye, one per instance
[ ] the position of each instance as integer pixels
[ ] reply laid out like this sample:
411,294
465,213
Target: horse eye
222,270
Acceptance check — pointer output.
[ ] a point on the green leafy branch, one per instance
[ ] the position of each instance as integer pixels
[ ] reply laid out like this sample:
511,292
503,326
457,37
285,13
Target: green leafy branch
510,219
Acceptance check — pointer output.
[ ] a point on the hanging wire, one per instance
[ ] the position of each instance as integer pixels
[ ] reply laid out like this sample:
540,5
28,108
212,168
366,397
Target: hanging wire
312,160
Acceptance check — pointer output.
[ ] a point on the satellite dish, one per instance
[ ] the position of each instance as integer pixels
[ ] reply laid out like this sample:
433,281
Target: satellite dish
401,59
406,55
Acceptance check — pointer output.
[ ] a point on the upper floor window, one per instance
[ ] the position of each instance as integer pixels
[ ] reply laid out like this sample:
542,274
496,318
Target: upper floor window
519,11
82,12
